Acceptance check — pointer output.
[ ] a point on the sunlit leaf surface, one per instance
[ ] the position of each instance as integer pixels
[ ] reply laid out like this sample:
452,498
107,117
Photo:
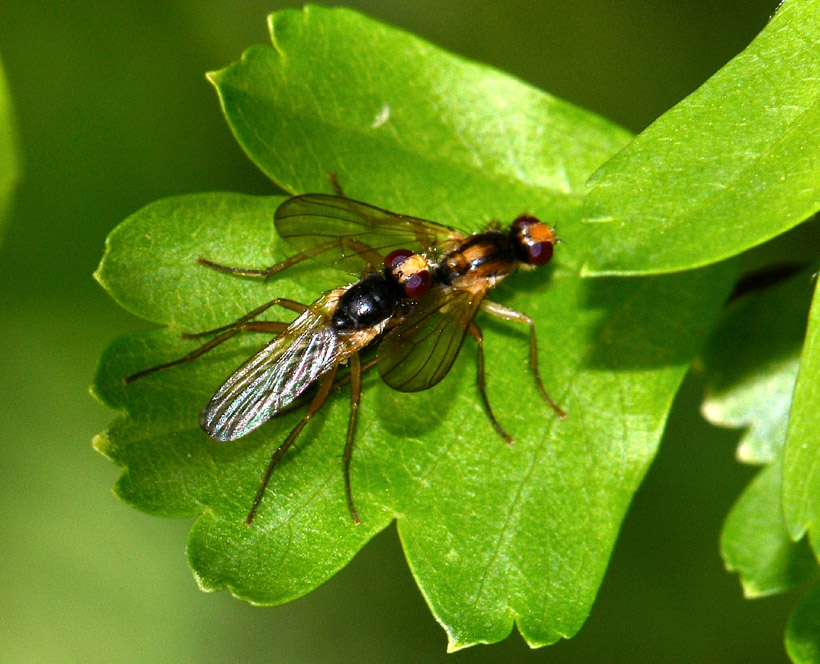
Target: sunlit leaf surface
732,165
801,479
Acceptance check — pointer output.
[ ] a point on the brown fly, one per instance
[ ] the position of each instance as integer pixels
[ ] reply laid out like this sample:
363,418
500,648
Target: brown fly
421,347
334,330
423,284
419,351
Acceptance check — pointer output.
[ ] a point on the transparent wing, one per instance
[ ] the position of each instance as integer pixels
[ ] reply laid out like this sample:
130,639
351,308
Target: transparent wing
273,378
419,352
350,235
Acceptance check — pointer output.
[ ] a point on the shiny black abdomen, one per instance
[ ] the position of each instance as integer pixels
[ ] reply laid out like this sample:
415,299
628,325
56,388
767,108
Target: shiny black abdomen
366,303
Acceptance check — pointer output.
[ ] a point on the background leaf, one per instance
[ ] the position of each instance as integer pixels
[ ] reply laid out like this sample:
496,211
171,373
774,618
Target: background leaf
493,533
751,363
732,165
9,158
756,544
801,484
803,632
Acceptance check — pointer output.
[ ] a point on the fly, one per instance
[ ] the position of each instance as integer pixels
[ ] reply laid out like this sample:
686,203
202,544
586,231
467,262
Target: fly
420,349
333,330
422,287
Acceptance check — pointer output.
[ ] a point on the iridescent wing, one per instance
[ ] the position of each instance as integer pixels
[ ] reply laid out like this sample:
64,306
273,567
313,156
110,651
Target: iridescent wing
418,353
274,377
350,235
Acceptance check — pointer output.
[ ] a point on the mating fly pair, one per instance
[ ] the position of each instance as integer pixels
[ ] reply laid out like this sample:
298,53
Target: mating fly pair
420,287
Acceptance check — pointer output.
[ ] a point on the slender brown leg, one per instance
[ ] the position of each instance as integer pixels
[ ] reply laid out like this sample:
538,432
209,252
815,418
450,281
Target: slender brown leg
355,397
225,332
366,366
272,327
475,333
265,273
505,313
268,326
283,302
371,255
318,399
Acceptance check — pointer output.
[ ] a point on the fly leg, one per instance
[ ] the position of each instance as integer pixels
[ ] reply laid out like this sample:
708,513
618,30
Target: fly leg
354,377
344,380
318,399
246,320
342,244
243,324
267,272
475,333
505,313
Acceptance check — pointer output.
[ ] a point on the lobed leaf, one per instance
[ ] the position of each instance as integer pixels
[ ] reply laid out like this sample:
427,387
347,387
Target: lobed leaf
729,167
494,534
756,544
750,365
405,122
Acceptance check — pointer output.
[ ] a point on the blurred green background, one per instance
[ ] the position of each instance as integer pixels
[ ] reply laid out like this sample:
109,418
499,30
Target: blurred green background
114,112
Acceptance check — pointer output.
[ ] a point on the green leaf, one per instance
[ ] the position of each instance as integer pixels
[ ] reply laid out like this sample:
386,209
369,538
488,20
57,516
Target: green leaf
803,631
399,114
756,544
750,365
9,159
147,267
731,166
495,534
801,480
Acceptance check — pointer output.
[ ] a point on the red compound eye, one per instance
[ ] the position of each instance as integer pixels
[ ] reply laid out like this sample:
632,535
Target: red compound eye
540,253
532,240
397,257
417,284
525,220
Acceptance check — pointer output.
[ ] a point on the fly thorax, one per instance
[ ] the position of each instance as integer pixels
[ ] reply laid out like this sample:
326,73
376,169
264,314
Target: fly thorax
483,256
367,303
